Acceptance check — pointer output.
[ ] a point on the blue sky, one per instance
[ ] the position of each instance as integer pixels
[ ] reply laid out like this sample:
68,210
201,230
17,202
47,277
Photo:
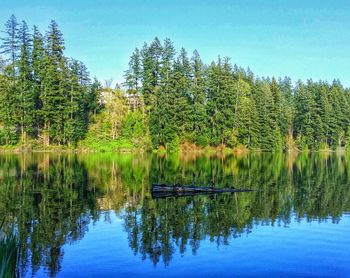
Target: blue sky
301,39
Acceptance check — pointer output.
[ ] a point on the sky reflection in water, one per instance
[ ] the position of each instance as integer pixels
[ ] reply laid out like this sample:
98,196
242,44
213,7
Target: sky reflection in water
92,215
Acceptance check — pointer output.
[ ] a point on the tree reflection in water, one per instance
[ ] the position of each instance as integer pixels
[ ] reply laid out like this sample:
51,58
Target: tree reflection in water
51,199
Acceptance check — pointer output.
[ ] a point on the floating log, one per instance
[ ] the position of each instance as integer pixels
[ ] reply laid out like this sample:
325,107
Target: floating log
166,190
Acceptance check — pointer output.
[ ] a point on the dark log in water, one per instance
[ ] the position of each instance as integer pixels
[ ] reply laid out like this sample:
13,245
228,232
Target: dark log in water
166,190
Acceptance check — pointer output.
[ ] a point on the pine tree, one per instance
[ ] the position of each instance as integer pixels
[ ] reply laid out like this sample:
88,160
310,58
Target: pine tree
305,106
38,58
324,111
162,128
9,90
221,101
133,74
93,98
8,131
339,120
198,115
26,98
287,106
180,97
11,43
246,117
151,56
52,96
270,137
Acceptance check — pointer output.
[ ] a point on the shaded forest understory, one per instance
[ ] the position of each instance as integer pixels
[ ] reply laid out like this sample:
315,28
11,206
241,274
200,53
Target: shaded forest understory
169,100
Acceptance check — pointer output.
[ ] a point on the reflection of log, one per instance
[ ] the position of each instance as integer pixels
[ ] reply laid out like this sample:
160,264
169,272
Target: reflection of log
165,190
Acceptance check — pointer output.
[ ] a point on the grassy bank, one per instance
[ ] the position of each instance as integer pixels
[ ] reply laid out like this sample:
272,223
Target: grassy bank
121,145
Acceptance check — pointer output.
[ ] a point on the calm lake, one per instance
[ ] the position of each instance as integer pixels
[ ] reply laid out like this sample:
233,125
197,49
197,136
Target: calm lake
92,215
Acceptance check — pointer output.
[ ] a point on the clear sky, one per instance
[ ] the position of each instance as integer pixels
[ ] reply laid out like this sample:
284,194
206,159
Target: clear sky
301,39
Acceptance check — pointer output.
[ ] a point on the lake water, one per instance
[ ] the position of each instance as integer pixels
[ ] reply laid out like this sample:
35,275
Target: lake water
92,215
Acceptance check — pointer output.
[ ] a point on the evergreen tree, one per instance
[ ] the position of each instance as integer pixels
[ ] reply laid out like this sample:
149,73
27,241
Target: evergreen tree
287,106
221,101
10,47
74,125
151,56
93,98
38,59
324,111
26,97
340,108
53,94
305,104
8,130
161,119
246,117
11,43
198,115
181,96
270,137
133,74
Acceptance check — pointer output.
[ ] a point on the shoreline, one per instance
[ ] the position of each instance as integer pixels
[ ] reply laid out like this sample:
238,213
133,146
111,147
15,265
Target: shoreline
197,150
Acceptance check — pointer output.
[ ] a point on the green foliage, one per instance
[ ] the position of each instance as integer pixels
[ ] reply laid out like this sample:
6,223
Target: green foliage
43,94
168,98
174,144
348,140
94,144
202,140
219,104
8,135
301,142
11,43
133,126
9,252
133,74
221,101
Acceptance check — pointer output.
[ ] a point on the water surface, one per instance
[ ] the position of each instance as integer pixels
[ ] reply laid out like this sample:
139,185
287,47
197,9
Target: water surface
93,215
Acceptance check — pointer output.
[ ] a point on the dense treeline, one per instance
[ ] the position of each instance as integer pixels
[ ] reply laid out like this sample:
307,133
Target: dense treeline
168,99
43,94
218,103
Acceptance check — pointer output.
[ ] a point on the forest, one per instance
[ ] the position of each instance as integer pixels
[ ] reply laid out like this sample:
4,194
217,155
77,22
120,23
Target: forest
169,100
